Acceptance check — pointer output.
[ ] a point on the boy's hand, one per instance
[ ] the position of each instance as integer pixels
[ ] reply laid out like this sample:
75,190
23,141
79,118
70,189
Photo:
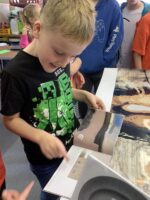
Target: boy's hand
93,101
51,146
79,80
15,195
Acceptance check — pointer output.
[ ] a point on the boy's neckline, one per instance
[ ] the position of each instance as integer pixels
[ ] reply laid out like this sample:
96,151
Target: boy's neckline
31,49
29,54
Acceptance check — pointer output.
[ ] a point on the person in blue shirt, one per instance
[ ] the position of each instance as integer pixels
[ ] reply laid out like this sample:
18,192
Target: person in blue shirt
103,51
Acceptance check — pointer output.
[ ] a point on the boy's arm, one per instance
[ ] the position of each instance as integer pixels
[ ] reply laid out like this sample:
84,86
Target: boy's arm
17,125
90,99
75,66
137,60
50,145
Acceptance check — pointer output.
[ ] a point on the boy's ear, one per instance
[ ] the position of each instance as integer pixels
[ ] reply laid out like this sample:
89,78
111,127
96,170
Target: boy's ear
36,29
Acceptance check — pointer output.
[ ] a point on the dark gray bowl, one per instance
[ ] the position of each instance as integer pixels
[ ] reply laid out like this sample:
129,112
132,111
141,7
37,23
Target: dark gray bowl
108,188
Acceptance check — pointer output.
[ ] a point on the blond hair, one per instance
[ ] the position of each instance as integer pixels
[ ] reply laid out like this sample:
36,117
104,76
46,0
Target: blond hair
74,19
31,13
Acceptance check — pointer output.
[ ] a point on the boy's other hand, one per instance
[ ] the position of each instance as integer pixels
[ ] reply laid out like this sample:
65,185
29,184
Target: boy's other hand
51,146
93,101
15,195
79,80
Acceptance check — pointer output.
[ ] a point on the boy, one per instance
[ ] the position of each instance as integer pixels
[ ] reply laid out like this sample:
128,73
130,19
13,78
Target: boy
36,94
141,44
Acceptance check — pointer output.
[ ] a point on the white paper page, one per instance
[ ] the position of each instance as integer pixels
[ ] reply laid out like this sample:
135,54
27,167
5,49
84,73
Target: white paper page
106,87
61,183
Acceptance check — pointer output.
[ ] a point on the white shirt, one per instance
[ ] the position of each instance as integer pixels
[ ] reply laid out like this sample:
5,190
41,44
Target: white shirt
130,17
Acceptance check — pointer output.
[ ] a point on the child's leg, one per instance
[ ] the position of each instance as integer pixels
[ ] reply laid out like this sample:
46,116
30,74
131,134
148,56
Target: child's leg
43,174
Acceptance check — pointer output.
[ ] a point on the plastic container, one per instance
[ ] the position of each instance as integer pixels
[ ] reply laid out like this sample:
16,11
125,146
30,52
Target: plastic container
14,26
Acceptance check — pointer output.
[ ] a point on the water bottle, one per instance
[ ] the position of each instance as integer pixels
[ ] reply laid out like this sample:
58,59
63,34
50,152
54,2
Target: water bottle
14,26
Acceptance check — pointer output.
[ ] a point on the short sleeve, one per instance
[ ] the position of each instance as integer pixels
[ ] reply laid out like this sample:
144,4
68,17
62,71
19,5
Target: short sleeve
12,98
67,69
141,37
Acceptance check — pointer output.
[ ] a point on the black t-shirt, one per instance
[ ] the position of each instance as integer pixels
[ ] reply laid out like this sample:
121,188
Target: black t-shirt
44,100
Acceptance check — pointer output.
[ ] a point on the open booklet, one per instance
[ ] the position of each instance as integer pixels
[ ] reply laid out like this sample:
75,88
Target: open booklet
96,135
99,131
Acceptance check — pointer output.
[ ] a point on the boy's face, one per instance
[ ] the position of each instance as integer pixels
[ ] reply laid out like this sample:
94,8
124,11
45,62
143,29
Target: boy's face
54,50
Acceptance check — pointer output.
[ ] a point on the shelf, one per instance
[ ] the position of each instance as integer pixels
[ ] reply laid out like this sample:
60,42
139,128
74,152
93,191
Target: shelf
9,36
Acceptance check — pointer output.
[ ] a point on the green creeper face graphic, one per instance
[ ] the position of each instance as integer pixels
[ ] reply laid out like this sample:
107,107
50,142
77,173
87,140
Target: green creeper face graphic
54,110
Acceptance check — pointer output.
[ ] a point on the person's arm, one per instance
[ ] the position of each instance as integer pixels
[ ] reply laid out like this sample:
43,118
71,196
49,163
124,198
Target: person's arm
140,41
90,99
137,60
15,195
50,146
115,37
75,66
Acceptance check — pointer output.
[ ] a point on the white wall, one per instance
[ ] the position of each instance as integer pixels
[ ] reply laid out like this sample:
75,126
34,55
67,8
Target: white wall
4,1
